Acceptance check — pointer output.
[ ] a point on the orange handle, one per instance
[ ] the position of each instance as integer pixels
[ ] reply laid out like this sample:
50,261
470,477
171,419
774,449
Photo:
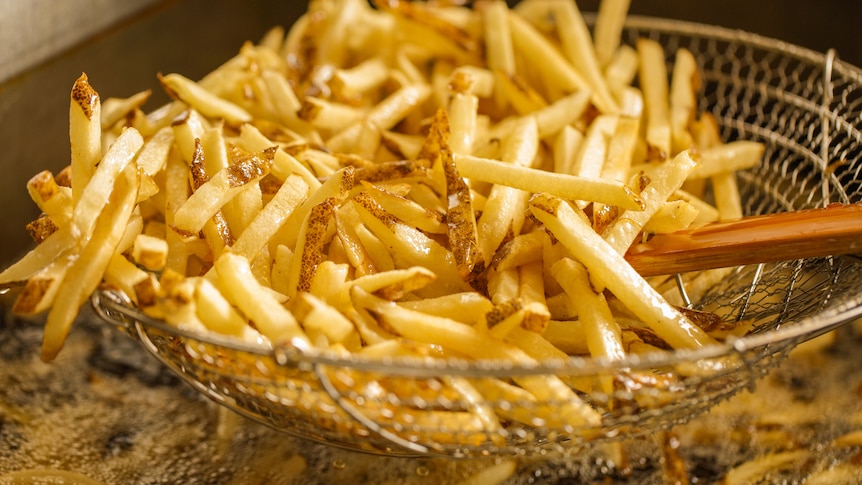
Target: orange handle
833,230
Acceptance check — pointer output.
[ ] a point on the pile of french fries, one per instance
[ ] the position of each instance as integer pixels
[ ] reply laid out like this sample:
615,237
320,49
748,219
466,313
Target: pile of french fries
402,179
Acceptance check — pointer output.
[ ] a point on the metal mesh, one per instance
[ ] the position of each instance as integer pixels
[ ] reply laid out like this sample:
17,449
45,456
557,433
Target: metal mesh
804,106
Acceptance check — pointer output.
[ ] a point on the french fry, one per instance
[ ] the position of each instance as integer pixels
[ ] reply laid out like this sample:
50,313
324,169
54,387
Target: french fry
128,277
309,253
53,200
610,269
465,307
684,86
668,178
672,216
728,157
593,151
101,182
210,197
236,281
548,59
85,273
283,164
385,115
215,311
41,288
318,316
601,331
652,74
504,209
150,252
565,150
621,69
578,47
85,133
465,339
609,192
202,100
270,219
609,25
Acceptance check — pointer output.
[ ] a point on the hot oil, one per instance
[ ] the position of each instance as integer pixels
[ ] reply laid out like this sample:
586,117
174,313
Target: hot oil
107,410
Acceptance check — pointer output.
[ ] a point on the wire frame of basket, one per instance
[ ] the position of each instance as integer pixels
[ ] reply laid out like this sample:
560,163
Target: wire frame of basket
806,108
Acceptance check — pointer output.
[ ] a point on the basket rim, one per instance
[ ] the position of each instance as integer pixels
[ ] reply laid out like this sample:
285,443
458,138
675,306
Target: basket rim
698,29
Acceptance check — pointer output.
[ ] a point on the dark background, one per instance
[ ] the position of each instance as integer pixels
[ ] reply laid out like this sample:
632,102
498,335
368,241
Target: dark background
194,36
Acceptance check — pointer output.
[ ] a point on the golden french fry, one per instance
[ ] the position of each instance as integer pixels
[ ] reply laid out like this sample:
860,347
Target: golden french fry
593,152
238,284
215,312
150,252
602,333
318,316
53,200
652,74
466,307
408,210
609,192
270,219
283,164
728,157
609,24
101,183
609,268
684,86
578,47
202,100
567,144
210,197
313,235
672,216
666,179
547,59
385,115
503,212
40,290
727,198
127,276
115,109
468,341
85,133
621,70
86,272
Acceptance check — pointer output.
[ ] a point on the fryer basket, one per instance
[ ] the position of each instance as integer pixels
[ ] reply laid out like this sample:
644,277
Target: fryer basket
804,106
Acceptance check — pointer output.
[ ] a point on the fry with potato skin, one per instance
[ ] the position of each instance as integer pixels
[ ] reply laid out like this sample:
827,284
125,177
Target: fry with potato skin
610,269
211,196
86,272
85,133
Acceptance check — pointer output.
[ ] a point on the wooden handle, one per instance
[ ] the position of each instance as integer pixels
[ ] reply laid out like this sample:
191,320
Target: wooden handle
833,230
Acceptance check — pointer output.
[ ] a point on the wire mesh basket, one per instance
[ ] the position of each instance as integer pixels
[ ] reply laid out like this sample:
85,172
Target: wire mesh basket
804,106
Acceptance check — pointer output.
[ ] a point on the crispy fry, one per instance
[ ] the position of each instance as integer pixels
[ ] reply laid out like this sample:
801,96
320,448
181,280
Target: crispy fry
236,281
654,84
567,186
211,196
609,25
202,100
85,133
86,272
609,268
